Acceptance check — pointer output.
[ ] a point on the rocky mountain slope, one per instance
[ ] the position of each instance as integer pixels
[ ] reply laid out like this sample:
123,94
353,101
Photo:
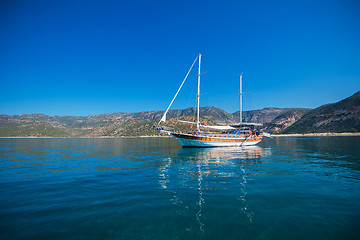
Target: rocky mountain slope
284,120
343,116
265,115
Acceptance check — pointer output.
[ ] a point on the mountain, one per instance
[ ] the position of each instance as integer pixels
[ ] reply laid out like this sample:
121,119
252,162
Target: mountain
343,116
284,120
264,115
118,124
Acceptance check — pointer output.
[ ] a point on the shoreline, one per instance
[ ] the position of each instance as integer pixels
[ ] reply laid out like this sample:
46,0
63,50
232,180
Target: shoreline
316,135
30,137
272,135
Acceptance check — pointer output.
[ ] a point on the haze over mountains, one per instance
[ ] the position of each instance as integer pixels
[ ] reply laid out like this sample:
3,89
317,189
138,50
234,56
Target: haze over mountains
343,116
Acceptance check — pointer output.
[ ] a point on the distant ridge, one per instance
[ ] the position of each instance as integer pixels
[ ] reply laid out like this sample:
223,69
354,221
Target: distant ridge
265,115
343,116
285,120
117,124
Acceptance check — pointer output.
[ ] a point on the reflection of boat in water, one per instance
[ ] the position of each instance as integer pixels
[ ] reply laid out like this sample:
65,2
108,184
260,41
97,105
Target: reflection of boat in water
241,134
227,153
195,174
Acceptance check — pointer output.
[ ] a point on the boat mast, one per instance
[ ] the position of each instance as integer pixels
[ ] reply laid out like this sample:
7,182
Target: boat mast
198,96
240,98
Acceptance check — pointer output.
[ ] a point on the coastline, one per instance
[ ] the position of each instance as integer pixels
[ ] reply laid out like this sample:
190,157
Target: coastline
30,137
316,135
166,136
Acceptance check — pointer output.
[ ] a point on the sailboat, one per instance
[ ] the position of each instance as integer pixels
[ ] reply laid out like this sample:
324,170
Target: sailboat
237,135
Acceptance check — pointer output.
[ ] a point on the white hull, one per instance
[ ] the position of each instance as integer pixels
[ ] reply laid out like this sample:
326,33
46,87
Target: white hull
199,143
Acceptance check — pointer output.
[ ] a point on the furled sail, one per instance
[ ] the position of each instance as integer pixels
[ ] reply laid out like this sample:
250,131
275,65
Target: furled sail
219,127
246,124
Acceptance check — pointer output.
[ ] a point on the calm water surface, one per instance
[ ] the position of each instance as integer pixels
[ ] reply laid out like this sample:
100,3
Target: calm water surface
151,188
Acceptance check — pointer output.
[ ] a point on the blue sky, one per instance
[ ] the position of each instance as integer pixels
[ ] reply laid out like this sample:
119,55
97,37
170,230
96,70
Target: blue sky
91,57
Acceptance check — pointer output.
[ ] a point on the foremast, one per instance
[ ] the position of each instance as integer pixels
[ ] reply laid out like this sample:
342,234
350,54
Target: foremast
198,97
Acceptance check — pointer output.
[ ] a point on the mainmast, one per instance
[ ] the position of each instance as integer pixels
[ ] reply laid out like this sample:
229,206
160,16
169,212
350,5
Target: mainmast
240,98
198,96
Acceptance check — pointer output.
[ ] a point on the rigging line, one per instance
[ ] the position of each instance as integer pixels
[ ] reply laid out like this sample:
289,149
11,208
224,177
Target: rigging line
252,104
205,82
164,116
241,144
191,100
249,103
226,69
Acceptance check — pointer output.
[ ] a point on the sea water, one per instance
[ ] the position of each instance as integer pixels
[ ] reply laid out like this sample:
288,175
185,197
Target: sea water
151,188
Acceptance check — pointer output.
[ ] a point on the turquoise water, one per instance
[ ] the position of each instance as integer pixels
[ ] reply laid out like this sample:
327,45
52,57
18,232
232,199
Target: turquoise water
150,188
